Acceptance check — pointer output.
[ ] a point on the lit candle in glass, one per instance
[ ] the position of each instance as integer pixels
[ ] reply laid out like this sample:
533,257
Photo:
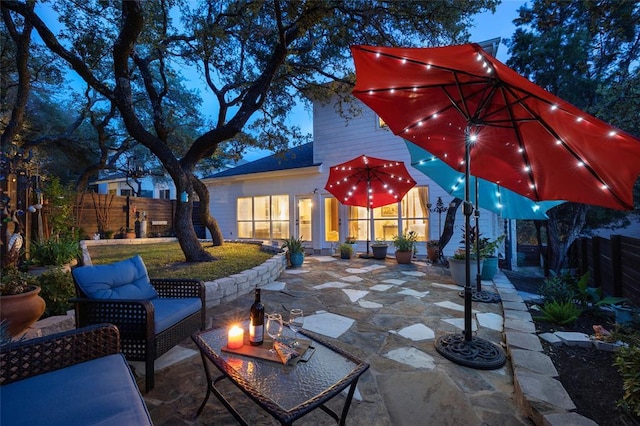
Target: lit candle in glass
236,337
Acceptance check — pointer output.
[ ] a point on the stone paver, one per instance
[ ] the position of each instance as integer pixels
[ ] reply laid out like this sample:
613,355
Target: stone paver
389,315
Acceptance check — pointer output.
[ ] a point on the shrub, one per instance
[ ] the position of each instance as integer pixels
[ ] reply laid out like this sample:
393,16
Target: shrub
406,241
54,251
293,244
346,250
557,289
559,312
628,362
57,288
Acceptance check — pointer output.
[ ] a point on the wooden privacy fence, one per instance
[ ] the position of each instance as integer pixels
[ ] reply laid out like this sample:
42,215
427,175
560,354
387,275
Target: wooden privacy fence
614,264
97,213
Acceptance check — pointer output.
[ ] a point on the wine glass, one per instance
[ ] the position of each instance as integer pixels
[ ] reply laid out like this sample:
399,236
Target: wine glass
296,320
274,328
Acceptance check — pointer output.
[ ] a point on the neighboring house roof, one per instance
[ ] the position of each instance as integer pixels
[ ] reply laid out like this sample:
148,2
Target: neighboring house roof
294,158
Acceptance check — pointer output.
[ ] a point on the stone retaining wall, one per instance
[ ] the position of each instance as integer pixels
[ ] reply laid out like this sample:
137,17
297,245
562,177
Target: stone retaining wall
224,289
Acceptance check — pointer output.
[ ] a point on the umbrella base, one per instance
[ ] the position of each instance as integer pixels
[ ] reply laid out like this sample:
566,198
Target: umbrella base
483,296
365,256
475,353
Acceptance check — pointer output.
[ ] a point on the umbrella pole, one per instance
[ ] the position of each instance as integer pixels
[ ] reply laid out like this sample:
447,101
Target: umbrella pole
465,349
478,260
477,294
467,243
366,255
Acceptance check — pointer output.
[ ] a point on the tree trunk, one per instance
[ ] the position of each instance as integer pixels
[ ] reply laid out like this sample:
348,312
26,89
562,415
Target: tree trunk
449,222
562,235
189,243
209,221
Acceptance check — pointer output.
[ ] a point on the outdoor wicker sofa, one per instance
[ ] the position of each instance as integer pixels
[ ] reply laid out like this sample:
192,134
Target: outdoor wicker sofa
153,315
70,378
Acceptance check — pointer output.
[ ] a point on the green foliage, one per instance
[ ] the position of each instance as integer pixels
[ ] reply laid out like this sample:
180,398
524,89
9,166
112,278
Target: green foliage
559,289
433,244
293,244
350,240
54,251
60,200
346,249
405,242
57,288
487,247
627,360
14,281
559,312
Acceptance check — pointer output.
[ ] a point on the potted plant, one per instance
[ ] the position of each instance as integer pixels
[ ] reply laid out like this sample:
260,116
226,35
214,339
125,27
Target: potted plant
295,250
20,303
346,250
404,244
379,249
487,250
433,250
53,252
457,267
128,232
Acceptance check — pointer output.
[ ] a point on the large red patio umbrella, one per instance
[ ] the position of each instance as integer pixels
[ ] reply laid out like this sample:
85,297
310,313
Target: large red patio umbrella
369,182
481,117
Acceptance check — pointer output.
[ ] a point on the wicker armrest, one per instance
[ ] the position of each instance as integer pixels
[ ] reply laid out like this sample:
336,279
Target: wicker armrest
131,316
27,358
178,288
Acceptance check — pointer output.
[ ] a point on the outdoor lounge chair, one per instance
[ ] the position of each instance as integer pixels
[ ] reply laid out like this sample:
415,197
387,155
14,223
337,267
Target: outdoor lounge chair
76,377
153,315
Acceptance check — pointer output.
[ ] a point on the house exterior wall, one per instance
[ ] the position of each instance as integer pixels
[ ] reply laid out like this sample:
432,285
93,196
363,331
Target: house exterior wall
336,140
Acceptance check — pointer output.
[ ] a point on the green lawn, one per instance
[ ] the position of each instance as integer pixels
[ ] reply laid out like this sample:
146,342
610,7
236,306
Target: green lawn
166,260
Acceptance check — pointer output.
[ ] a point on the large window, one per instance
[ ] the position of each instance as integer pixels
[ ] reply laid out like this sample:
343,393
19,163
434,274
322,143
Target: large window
412,213
415,213
264,217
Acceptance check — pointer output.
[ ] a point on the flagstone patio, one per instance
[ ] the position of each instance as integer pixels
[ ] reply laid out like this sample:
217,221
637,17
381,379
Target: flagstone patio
386,314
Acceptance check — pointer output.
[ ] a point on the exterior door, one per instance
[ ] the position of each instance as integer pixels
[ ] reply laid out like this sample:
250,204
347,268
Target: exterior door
304,219
331,222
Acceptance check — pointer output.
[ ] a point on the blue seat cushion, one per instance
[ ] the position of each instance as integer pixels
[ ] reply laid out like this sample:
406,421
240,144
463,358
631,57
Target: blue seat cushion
170,311
127,279
102,391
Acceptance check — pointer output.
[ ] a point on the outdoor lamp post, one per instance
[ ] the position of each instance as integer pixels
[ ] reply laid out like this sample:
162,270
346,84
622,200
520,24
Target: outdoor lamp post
439,208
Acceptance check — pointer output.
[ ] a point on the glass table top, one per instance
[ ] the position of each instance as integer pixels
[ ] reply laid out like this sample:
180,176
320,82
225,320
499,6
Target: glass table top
288,386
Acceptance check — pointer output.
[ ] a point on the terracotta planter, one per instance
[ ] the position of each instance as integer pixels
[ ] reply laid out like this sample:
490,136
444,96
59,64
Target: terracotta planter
21,311
404,257
433,253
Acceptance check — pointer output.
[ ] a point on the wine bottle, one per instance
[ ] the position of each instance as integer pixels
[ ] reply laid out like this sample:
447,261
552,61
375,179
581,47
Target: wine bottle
256,325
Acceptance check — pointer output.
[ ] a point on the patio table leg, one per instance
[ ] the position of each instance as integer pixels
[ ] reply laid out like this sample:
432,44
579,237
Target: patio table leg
211,387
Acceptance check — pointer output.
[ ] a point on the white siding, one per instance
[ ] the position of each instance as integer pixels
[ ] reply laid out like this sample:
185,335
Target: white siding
336,140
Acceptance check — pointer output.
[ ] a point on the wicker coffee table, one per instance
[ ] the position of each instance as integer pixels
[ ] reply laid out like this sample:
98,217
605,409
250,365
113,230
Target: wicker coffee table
287,392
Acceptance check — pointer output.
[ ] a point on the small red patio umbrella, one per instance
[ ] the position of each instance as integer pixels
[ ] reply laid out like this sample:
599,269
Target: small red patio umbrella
482,118
369,182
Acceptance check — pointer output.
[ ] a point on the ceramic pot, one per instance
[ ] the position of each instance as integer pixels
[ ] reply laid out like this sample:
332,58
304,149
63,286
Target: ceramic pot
489,268
296,259
458,271
379,252
404,257
21,311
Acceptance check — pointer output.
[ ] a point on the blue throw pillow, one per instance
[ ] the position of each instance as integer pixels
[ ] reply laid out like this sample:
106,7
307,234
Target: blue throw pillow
127,279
